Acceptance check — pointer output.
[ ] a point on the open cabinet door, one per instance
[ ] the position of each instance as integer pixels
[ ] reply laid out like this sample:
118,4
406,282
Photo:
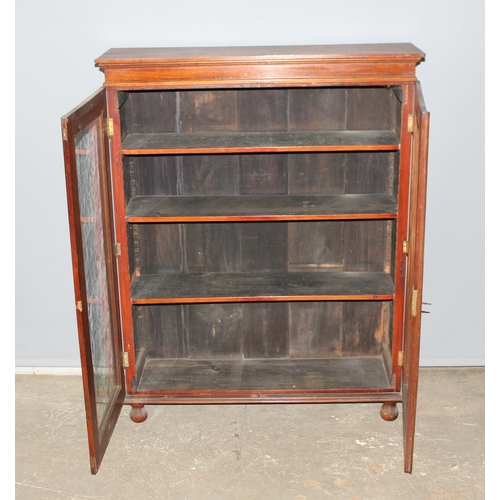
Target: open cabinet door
415,269
86,160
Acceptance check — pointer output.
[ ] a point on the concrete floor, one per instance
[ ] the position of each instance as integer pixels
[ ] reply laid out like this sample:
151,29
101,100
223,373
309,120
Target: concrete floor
296,452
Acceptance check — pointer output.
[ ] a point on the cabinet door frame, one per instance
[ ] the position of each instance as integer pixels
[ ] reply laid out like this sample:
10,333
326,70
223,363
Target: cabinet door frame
415,270
93,110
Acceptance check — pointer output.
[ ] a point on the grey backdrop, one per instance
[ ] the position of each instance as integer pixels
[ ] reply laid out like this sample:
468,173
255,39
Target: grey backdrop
57,42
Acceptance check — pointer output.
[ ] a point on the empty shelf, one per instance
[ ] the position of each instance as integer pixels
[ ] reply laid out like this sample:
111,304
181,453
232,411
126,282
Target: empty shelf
253,287
264,207
264,375
258,142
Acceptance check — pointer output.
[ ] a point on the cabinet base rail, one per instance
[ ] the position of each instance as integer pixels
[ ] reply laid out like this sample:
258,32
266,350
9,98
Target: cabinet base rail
256,398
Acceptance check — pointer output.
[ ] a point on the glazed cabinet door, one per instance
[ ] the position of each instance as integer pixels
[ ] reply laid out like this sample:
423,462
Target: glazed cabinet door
415,268
86,159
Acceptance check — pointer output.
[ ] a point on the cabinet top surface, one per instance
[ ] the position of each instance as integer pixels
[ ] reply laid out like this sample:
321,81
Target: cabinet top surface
246,54
307,65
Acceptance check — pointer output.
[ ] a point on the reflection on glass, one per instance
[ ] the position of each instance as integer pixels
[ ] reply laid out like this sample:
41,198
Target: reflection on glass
89,190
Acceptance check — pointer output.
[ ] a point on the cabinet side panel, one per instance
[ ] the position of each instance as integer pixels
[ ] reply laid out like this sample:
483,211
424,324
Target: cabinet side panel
129,182
134,257
388,329
395,169
396,103
125,107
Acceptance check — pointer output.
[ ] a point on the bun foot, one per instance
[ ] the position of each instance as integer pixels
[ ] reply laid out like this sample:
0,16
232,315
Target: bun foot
138,413
389,411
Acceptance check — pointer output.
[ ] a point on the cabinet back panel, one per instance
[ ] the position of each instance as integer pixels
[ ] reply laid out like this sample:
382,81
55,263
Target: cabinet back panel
264,330
246,110
316,329
153,175
370,109
321,109
263,174
254,174
158,247
261,324
160,331
366,245
144,112
207,110
266,246
262,109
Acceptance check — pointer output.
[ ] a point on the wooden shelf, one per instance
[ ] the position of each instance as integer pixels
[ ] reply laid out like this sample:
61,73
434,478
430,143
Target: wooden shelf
259,142
264,375
260,208
254,287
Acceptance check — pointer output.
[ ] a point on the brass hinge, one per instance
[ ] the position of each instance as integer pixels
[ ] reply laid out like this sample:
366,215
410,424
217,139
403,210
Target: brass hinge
118,249
410,123
125,359
400,358
79,305
405,246
65,133
414,297
109,127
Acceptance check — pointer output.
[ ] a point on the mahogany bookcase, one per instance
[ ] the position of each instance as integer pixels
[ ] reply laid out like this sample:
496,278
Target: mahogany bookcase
247,226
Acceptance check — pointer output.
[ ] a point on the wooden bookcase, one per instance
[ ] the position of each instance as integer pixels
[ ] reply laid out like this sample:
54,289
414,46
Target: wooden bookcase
247,226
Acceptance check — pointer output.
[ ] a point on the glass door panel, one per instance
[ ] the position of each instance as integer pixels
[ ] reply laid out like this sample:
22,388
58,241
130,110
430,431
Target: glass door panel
94,272
94,264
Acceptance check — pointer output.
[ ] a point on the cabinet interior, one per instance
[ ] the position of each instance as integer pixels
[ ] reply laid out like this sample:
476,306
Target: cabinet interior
261,234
